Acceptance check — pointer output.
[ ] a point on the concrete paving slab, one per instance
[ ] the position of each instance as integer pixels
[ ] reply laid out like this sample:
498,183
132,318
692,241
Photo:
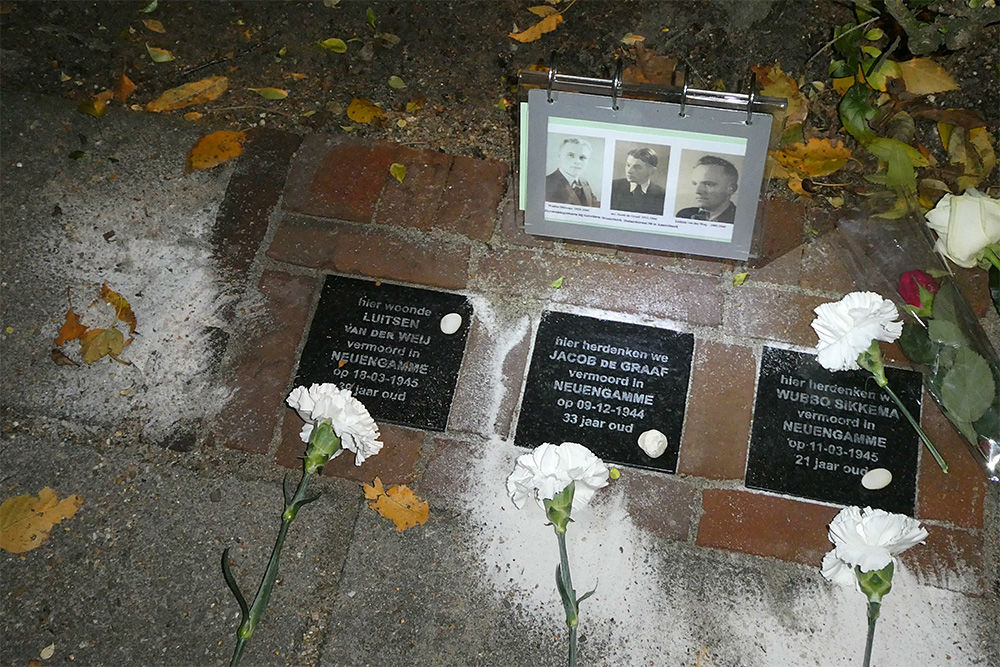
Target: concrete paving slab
135,577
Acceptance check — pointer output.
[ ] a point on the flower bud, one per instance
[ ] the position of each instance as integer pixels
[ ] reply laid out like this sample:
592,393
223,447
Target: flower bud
323,445
918,289
558,509
875,584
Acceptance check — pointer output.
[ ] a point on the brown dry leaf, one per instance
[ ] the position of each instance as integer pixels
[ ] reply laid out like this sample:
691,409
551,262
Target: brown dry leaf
123,88
535,32
543,10
192,115
972,150
60,359
923,76
361,110
71,328
26,520
776,83
96,343
196,92
650,67
153,25
97,105
215,148
123,311
398,504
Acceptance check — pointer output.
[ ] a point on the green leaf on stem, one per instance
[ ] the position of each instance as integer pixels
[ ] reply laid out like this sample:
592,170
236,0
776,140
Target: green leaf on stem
967,390
946,333
916,344
227,574
855,110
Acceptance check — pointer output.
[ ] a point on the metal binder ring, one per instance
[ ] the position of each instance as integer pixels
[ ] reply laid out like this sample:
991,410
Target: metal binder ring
616,85
552,76
684,91
750,99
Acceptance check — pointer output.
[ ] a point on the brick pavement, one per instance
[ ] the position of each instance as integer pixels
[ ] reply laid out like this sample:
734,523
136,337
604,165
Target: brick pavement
453,224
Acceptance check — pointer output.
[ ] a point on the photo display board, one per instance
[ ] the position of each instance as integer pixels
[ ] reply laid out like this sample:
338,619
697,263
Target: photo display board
398,349
602,384
817,432
647,174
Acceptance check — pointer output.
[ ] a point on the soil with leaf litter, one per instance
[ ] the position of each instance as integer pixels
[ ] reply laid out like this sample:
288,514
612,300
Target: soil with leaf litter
442,74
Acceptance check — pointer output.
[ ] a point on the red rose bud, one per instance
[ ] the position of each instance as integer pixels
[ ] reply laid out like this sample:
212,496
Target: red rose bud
917,288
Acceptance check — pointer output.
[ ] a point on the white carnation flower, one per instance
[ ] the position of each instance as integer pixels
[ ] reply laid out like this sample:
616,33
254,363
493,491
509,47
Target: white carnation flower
357,431
548,469
872,538
846,328
838,571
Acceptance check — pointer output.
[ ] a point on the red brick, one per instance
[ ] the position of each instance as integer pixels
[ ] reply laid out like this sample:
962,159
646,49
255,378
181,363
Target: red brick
483,373
958,496
974,286
512,224
266,365
253,191
662,504
764,525
782,225
772,315
949,558
825,266
339,178
676,261
611,286
382,252
720,405
784,270
472,197
393,465
414,201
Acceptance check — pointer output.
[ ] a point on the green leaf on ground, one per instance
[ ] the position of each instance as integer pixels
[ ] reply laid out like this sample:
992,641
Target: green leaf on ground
558,282
334,44
900,161
396,83
271,93
398,171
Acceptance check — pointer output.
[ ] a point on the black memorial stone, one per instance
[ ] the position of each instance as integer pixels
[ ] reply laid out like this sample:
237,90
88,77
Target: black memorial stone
386,344
602,384
817,432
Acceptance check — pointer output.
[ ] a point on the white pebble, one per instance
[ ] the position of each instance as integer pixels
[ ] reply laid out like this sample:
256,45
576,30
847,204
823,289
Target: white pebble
653,443
877,478
451,323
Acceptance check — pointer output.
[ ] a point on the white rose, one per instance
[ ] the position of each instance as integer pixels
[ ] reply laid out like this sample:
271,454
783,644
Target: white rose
965,225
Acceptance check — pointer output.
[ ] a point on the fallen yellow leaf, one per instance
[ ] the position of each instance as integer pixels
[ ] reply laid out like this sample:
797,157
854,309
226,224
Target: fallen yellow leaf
123,311
96,343
26,521
399,504
547,24
215,148
159,55
196,92
543,10
816,157
361,110
923,76
775,83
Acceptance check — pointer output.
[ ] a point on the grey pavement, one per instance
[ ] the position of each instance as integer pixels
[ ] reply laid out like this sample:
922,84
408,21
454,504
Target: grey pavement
134,578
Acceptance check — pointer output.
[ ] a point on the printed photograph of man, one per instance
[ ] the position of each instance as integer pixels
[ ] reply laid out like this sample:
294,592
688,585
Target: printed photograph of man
568,183
637,191
714,181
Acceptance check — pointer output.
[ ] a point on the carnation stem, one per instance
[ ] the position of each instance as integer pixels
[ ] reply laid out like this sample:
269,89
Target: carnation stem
923,436
873,611
256,611
568,596
991,255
